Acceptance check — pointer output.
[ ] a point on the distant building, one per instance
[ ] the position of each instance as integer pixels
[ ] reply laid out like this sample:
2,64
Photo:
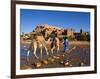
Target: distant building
47,30
77,35
70,32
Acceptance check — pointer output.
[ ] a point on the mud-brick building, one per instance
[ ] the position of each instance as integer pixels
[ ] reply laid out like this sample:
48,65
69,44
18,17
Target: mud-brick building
48,29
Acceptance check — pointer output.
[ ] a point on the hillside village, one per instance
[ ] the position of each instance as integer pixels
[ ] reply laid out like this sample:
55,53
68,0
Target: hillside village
46,30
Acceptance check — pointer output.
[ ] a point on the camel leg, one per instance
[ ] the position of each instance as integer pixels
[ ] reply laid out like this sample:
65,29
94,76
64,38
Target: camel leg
41,51
57,50
35,52
52,50
46,50
35,47
28,52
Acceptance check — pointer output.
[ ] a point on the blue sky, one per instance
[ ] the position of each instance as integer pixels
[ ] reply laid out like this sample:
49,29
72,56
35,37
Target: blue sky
30,18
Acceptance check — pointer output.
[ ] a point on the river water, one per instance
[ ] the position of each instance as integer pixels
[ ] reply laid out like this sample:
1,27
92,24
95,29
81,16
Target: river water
79,55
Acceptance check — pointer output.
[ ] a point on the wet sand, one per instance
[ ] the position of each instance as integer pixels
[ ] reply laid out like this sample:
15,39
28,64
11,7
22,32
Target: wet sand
80,56
27,42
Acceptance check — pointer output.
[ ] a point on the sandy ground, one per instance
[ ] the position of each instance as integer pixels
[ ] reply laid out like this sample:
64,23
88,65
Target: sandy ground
27,42
78,56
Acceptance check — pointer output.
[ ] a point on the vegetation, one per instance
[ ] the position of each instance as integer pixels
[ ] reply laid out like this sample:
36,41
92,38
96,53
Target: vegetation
70,38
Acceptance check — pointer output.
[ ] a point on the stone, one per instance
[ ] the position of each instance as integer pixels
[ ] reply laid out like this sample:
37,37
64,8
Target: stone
70,65
45,62
61,62
82,64
51,59
38,65
66,64
56,57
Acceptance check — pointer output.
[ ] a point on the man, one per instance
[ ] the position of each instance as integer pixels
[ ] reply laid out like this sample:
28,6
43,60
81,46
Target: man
65,44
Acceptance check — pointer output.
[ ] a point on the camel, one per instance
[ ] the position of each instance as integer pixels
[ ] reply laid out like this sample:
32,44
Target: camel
40,42
55,44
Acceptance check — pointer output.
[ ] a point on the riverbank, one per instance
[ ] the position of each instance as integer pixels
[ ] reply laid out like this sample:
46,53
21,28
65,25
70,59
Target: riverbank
78,57
27,42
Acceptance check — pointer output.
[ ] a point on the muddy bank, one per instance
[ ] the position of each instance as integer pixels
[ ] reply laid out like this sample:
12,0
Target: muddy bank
80,56
27,42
